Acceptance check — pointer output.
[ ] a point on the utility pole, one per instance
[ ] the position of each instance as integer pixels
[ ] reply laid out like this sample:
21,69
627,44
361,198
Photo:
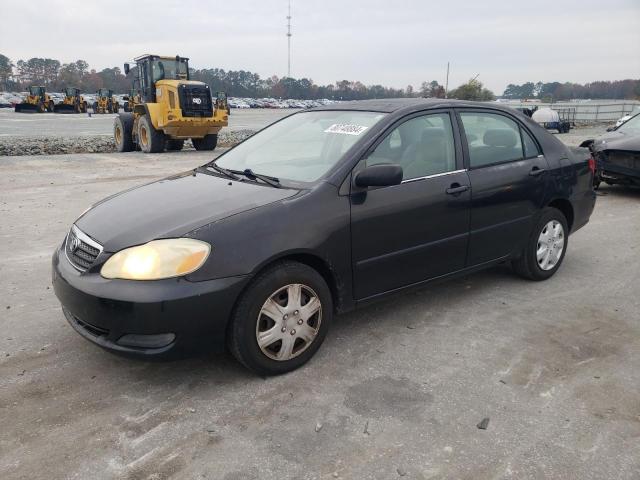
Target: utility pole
446,84
289,41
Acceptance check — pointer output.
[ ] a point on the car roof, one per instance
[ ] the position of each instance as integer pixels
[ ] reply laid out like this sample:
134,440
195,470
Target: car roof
389,105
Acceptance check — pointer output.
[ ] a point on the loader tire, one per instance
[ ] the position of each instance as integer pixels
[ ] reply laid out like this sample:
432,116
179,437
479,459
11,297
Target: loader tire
123,132
95,107
209,142
149,139
41,108
51,106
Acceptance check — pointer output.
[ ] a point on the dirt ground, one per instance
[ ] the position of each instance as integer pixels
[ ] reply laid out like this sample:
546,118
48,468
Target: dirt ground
396,391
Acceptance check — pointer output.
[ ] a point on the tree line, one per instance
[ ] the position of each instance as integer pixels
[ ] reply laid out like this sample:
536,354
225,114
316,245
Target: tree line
555,91
56,76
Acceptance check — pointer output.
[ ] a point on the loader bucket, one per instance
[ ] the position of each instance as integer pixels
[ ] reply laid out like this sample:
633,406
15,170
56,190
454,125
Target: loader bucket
26,108
64,108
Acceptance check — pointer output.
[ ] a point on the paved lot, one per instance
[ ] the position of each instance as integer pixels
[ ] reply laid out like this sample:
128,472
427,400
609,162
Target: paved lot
76,125
396,391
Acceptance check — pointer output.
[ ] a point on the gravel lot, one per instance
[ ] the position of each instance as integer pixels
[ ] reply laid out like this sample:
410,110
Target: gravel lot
396,391
50,134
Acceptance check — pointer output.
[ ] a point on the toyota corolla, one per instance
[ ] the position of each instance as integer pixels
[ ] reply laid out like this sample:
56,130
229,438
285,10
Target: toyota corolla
320,213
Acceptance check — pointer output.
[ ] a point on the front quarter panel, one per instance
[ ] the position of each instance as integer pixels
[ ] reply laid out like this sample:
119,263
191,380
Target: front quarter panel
314,222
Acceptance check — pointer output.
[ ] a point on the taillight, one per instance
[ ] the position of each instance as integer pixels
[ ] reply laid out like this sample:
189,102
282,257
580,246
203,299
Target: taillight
592,165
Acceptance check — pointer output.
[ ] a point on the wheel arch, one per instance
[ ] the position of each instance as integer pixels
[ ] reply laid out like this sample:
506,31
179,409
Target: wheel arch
312,260
565,207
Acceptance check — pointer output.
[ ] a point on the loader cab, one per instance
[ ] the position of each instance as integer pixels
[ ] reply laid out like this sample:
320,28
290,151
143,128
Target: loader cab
152,68
71,92
36,91
105,92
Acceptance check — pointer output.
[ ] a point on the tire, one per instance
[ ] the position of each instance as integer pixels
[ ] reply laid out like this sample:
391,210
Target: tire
528,264
51,107
149,139
116,107
95,107
123,132
248,319
41,108
175,145
209,142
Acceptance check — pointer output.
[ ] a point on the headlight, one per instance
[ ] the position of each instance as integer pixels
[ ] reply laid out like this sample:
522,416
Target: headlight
157,259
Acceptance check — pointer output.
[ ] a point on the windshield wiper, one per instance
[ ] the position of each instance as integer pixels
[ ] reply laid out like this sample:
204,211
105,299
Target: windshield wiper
251,175
223,171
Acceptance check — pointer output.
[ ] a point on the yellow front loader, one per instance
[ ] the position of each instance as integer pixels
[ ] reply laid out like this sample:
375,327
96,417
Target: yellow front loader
170,109
38,101
73,102
105,103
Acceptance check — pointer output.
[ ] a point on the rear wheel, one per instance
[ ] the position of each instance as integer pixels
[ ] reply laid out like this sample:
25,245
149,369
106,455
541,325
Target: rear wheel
41,107
123,132
149,139
175,145
281,320
546,247
209,142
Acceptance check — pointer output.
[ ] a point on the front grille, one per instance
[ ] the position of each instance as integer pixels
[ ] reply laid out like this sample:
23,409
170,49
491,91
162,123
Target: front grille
81,250
195,100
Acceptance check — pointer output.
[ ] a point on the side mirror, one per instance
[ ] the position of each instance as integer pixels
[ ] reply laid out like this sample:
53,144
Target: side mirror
126,69
380,175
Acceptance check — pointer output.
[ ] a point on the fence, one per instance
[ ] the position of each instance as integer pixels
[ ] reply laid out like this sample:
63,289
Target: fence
593,111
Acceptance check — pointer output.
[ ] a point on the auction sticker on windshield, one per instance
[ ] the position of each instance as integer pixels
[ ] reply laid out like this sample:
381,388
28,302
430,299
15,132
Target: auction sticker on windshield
346,129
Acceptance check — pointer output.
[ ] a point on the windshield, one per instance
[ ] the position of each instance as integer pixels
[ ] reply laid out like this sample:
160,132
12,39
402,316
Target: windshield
34,90
302,147
103,92
168,69
71,92
631,126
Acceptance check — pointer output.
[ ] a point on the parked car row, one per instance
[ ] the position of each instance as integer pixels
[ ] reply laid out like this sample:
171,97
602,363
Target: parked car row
237,102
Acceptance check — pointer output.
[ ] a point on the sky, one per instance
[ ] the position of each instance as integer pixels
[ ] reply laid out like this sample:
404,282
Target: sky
393,43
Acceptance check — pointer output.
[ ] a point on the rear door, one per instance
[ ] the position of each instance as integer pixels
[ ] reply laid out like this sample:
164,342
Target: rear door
408,233
508,175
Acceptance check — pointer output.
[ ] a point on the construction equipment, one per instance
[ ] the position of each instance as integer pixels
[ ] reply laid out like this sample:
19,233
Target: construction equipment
105,103
73,102
130,100
171,109
38,101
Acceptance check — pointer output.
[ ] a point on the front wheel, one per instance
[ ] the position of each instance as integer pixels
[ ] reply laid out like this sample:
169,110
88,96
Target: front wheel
546,246
123,132
209,142
149,139
281,320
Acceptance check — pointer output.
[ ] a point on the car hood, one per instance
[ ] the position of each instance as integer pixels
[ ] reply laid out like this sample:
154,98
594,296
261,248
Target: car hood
171,208
616,141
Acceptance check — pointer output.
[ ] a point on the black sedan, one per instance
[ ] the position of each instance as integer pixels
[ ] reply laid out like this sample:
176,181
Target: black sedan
320,213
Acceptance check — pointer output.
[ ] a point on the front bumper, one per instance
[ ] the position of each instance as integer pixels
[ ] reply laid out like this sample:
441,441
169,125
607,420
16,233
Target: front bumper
145,318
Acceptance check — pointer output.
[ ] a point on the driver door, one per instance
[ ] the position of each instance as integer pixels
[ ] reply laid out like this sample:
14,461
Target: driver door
418,230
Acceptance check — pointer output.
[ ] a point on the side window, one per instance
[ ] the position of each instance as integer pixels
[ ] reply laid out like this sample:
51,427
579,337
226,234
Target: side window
530,147
422,146
491,138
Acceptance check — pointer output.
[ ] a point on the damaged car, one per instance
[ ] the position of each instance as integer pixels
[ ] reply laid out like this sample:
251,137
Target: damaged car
617,154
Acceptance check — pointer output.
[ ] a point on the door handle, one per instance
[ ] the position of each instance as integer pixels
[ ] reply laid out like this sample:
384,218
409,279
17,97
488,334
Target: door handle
535,171
456,188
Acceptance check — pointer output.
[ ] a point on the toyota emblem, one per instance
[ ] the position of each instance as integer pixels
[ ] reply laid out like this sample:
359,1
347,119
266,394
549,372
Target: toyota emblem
197,101
74,243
